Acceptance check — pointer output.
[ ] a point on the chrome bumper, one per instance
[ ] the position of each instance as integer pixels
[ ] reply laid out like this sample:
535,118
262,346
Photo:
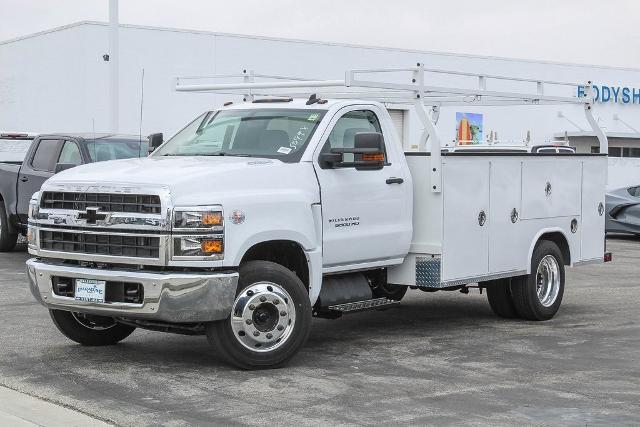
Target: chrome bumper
169,297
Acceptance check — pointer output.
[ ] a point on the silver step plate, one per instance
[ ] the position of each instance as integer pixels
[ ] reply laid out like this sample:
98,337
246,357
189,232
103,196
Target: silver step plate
363,305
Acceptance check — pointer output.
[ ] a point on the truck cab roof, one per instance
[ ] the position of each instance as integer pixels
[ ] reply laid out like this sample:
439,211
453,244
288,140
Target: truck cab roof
293,103
88,136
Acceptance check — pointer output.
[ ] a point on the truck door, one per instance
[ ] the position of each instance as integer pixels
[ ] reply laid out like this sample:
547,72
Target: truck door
34,172
366,214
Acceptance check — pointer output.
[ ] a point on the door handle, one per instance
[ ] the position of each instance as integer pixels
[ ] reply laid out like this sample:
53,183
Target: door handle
394,180
24,179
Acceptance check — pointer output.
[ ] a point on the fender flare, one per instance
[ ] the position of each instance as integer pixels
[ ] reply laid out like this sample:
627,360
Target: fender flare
536,239
312,254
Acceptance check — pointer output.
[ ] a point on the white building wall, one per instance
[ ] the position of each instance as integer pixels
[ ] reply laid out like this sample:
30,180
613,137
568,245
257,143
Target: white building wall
58,81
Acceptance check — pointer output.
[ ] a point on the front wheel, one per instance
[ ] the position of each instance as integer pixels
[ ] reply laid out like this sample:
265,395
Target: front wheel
90,330
270,318
537,296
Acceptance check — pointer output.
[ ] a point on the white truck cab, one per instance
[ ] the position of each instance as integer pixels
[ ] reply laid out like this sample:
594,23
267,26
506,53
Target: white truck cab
259,215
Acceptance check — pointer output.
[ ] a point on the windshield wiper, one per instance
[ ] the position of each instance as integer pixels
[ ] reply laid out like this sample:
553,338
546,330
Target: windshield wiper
222,153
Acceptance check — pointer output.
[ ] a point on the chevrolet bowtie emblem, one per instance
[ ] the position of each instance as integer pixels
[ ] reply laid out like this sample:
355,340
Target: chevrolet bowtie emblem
92,215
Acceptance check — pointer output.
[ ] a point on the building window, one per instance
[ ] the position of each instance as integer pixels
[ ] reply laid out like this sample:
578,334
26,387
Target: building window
619,151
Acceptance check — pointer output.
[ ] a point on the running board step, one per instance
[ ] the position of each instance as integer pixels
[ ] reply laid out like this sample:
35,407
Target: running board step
362,305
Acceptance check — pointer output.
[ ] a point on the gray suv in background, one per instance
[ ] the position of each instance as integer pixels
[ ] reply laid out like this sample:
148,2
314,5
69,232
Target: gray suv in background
46,156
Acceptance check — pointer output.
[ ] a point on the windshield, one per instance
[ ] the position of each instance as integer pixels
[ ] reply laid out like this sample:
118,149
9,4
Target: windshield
101,150
269,133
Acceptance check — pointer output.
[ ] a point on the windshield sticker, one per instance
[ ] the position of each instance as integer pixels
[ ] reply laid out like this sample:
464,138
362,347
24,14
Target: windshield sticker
299,138
284,150
313,117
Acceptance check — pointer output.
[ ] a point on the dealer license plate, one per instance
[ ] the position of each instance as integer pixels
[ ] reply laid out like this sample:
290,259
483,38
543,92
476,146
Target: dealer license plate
90,290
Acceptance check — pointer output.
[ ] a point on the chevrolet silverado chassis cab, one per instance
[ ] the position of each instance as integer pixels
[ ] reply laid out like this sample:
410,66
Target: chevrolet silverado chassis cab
260,215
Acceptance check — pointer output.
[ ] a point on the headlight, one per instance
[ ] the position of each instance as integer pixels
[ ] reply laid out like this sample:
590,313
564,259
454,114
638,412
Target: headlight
202,247
198,233
31,237
205,218
33,206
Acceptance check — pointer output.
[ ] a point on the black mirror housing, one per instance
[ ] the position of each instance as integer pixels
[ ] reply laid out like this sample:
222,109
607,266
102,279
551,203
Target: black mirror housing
63,167
329,160
368,153
155,141
369,140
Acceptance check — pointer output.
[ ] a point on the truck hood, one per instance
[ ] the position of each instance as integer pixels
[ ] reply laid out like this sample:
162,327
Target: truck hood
196,180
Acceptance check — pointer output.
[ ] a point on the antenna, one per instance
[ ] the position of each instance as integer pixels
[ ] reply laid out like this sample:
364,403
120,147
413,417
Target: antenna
93,132
141,110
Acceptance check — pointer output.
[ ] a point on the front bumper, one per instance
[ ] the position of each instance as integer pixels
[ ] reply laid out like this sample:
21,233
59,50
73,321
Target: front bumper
175,297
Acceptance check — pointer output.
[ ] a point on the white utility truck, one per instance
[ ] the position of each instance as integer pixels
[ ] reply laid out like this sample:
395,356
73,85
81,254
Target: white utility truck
262,214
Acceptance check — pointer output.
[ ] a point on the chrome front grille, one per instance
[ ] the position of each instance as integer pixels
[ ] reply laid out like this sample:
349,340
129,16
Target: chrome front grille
100,244
106,202
125,224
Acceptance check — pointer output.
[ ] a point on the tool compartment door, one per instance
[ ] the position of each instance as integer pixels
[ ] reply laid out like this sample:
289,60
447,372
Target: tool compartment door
594,178
550,187
507,249
465,195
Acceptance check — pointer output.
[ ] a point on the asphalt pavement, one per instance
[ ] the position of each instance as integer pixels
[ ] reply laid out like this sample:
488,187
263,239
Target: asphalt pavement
438,358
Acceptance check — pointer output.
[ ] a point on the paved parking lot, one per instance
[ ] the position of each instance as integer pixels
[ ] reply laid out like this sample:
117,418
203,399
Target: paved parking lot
439,358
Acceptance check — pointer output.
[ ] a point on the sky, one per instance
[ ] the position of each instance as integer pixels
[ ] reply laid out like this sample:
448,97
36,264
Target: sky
600,32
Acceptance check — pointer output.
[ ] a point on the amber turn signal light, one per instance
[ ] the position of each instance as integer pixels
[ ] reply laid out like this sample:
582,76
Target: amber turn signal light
211,246
373,157
211,218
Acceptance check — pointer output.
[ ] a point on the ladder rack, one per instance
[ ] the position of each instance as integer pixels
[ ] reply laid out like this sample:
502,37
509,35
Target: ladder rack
406,86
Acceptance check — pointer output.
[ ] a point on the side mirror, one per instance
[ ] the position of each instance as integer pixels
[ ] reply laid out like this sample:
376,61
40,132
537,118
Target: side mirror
155,141
63,167
368,153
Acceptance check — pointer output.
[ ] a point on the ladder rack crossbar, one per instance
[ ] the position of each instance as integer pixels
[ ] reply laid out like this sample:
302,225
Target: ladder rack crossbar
383,90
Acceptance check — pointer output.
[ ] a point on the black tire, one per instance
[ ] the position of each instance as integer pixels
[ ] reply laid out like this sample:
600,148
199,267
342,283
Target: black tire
524,289
7,239
236,347
381,288
90,330
500,300
393,292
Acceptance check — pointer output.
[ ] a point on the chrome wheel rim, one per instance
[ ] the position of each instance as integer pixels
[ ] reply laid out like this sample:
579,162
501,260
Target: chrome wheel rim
548,280
95,323
263,317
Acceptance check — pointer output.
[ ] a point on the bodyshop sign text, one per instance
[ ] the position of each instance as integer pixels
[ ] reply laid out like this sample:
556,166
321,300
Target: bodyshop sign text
613,94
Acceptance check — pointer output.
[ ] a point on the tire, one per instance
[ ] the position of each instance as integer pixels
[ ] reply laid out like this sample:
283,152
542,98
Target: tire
380,288
7,239
258,335
90,330
392,292
500,300
537,296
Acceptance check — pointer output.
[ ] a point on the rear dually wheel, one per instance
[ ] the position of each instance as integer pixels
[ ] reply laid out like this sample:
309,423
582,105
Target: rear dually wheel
538,295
